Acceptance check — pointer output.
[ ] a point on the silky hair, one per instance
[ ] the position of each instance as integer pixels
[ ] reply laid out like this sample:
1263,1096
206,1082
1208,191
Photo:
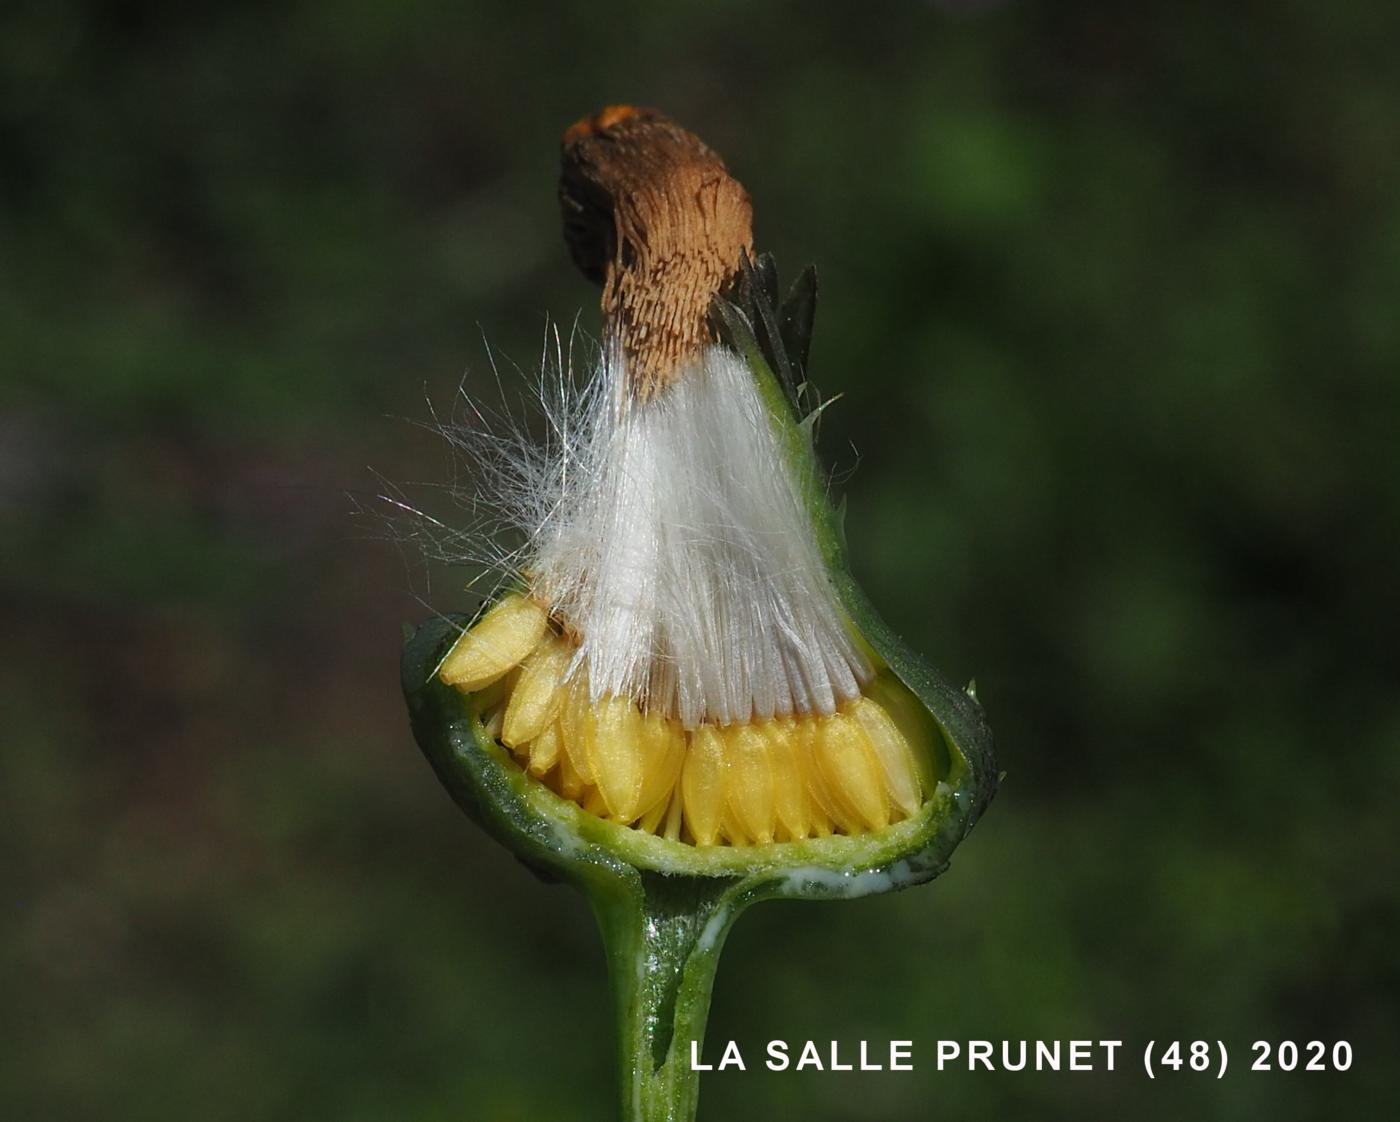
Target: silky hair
669,537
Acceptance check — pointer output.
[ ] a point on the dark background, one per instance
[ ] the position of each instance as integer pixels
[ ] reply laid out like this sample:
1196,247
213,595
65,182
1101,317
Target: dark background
1110,296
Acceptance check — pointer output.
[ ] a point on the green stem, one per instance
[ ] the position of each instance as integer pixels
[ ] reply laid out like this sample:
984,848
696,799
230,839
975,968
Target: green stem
663,945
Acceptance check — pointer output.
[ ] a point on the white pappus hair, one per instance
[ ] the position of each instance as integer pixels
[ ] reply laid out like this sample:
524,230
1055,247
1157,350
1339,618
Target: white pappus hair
670,537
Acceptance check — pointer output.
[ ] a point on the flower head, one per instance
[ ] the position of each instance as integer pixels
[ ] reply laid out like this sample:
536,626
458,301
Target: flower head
681,701
678,656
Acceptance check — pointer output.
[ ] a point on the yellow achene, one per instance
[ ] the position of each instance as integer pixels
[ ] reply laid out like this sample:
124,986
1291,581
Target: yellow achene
858,769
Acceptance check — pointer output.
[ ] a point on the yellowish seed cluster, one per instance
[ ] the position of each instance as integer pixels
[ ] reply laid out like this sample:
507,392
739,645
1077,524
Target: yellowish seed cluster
746,783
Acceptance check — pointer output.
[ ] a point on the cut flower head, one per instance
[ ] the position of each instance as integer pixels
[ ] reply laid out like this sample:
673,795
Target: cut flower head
680,701
684,654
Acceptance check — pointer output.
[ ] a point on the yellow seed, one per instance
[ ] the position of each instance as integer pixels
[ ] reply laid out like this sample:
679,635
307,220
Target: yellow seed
614,745
702,785
592,802
730,830
500,641
852,773
663,759
893,751
833,813
544,749
490,704
577,724
651,821
749,782
571,784
674,816
789,791
914,723
538,695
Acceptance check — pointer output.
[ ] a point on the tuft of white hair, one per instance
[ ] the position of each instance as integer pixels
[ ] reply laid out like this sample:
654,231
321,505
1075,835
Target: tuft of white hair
673,540
669,535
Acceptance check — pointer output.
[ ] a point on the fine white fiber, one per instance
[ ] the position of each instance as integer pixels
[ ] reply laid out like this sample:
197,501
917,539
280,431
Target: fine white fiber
670,537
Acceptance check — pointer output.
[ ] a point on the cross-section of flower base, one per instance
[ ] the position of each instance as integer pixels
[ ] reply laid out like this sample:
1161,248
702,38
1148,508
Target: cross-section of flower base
685,704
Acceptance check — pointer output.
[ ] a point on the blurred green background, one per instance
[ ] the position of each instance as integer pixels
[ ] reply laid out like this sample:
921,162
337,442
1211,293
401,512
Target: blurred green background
1110,295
